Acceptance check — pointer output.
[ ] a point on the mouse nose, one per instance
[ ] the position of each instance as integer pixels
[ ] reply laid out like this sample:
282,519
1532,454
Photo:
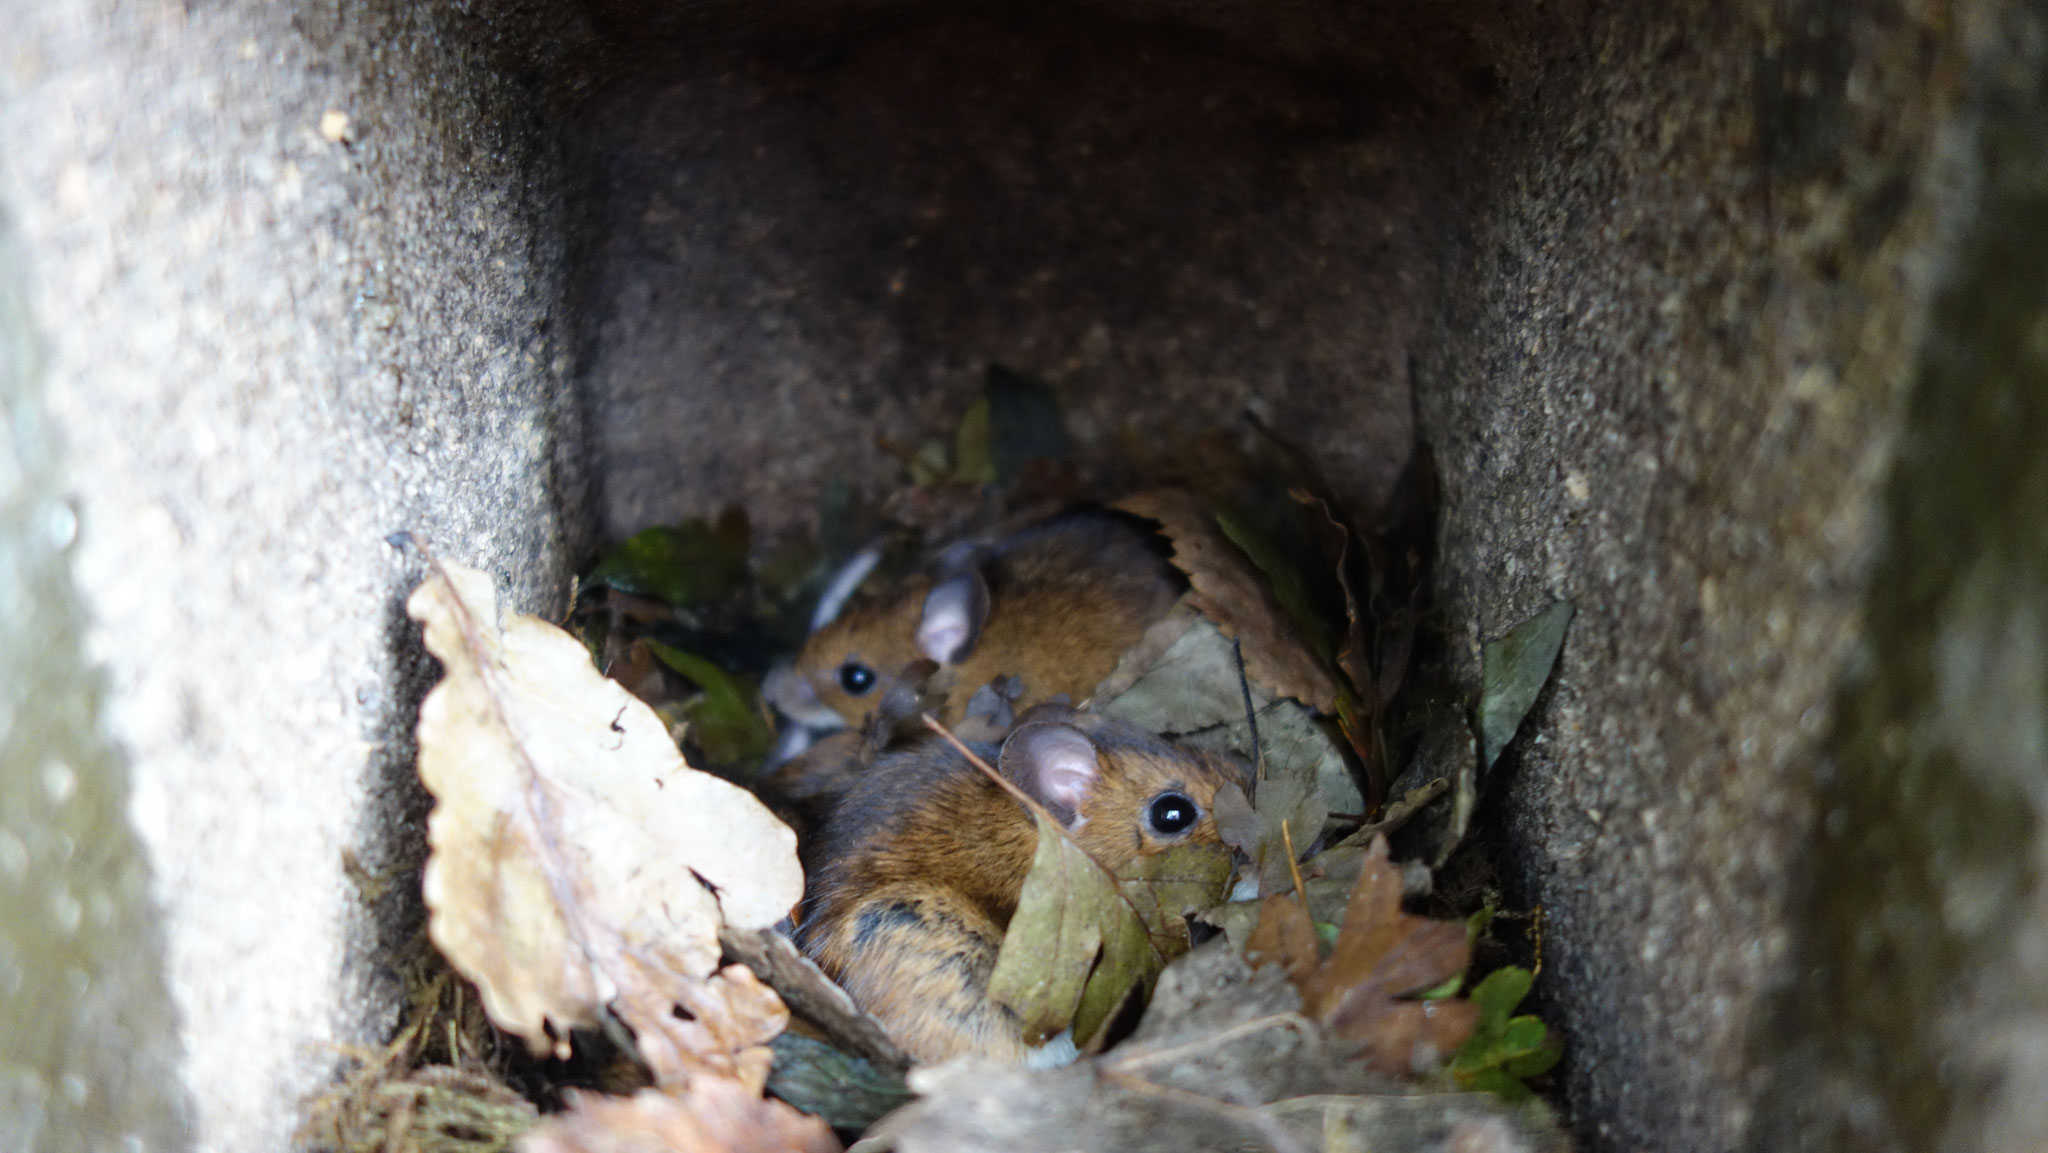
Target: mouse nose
796,699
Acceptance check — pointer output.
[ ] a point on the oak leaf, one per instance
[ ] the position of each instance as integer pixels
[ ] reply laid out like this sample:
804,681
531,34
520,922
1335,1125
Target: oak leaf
1382,956
577,863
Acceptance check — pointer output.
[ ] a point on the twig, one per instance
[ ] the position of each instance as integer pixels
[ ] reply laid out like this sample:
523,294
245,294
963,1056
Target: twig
1300,890
1251,715
1209,1041
1400,812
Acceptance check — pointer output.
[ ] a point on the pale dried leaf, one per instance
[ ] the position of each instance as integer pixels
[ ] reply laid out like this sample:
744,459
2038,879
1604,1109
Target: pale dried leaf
711,1115
571,845
721,1023
1231,591
1192,691
1139,658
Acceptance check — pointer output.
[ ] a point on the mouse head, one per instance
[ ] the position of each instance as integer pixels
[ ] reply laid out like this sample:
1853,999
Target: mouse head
1121,791
849,665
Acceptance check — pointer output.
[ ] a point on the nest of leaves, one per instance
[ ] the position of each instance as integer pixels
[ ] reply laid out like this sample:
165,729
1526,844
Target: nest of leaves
609,890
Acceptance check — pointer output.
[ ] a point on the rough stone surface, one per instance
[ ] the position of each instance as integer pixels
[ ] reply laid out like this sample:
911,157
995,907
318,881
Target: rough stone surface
1669,383
296,272
795,251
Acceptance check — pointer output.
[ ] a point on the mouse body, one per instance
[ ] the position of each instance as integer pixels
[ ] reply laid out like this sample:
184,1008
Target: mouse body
920,868
1052,606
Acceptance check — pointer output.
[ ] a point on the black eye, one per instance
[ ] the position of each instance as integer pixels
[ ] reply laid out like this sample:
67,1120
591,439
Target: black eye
1172,813
856,678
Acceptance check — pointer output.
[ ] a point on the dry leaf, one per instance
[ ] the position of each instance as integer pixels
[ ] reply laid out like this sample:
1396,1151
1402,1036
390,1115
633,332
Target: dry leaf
1193,691
1381,955
1231,591
575,855
711,1115
1285,936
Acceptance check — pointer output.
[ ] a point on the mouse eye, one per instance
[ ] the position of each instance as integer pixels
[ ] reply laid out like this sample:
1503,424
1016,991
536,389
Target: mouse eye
1172,813
856,678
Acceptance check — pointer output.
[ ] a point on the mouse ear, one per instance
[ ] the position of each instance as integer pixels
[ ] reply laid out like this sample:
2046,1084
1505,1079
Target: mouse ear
1054,763
954,612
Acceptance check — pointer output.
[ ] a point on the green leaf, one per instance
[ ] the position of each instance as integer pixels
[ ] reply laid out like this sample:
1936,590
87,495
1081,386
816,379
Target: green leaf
1536,1062
1024,422
1074,947
684,564
928,466
1513,670
973,461
847,1091
724,722
1449,988
1497,996
1503,1049
1503,1085
1523,1036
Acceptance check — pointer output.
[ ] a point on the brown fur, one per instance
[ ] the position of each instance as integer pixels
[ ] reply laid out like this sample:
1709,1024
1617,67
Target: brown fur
921,865
1067,597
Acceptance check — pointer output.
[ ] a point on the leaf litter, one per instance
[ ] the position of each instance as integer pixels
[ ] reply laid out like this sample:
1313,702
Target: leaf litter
1358,1036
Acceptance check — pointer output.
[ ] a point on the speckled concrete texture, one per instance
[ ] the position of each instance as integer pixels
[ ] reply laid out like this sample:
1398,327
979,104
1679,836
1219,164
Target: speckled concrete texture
1669,383
798,249
295,272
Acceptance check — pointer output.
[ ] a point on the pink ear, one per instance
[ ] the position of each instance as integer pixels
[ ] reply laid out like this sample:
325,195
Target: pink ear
953,614
1054,763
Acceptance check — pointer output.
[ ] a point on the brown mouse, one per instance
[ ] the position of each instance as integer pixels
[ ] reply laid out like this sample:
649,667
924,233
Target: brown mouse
1054,605
920,868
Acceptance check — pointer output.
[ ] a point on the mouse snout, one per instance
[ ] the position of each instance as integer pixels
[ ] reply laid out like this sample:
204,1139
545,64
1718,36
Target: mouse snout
793,696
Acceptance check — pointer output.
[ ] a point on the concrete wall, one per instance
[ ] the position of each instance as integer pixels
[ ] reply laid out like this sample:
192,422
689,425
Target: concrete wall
269,339
1697,318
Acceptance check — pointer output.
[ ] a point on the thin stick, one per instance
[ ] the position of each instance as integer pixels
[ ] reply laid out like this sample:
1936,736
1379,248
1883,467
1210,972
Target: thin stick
1208,1043
1251,715
931,722
1300,891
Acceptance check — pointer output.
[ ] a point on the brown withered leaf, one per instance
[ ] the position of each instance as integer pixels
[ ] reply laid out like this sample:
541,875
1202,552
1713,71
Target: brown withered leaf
1285,936
1229,589
1382,955
710,1115
576,860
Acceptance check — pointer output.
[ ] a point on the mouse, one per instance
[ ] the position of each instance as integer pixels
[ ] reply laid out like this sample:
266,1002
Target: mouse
1051,606
920,868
